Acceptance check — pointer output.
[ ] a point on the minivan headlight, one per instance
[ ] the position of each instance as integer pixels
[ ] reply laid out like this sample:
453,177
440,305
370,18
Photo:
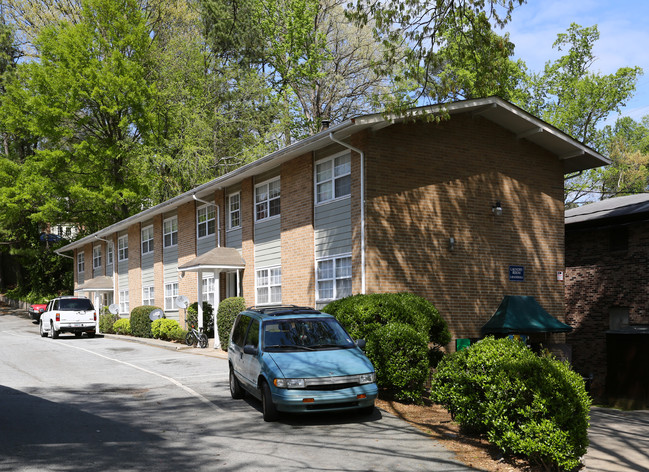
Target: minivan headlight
367,378
290,383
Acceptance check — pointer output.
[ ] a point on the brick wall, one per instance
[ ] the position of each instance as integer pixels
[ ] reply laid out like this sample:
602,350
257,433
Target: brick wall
158,264
134,266
187,285
247,240
429,182
599,280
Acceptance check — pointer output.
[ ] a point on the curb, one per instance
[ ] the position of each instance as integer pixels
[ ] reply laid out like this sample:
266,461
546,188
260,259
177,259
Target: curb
209,351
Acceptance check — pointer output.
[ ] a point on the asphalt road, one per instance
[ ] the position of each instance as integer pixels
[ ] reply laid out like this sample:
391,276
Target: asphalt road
107,404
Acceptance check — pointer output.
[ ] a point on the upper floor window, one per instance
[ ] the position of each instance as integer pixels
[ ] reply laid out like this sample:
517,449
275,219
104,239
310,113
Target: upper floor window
234,211
206,221
269,285
147,239
81,262
267,200
334,278
122,248
96,257
333,178
109,253
170,231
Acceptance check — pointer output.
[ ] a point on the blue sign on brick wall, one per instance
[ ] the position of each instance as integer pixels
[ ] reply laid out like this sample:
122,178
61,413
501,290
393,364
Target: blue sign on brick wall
517,273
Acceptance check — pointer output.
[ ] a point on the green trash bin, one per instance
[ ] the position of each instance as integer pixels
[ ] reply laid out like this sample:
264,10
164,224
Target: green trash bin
462,343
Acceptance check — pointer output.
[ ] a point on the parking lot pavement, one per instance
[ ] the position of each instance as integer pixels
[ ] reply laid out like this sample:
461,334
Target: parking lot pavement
619,441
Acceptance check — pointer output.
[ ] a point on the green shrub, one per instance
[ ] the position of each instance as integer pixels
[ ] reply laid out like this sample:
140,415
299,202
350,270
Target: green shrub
122,326
106,322
140,322
164,328
177,334
399,355
227,313
208,317
527,405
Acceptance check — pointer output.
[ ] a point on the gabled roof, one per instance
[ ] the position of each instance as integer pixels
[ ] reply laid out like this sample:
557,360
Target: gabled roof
574,155
620,207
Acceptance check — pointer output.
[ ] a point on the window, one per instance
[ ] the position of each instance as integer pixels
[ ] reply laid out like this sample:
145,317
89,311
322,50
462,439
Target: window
206,220
234,211
109,254
170,232
147,239
122,248
81,262
209,289
148,297
96,257
171,292
269,285
334,278
123,301
267,200
333,178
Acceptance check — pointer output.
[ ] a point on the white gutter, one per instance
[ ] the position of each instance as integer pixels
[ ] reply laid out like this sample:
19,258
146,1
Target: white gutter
362,154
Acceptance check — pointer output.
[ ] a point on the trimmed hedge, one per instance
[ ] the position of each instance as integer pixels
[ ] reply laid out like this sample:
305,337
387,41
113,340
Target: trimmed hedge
122,326
527,405
166,329
140,322
399,355
208,317
106,322
227,313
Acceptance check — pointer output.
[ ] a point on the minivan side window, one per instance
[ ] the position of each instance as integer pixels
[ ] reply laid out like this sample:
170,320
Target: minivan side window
239,330
253,334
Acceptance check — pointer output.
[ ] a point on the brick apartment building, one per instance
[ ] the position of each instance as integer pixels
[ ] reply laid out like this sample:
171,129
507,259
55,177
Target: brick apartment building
607,296
448,210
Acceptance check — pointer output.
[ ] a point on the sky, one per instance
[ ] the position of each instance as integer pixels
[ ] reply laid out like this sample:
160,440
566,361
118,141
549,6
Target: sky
624,38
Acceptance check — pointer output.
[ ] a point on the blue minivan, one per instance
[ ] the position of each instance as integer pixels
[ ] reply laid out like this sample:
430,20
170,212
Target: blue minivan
297,359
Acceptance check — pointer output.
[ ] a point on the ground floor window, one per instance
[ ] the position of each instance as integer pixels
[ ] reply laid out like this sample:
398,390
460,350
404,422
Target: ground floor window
269,285
148,297
171,292
209,289
334,278
123,302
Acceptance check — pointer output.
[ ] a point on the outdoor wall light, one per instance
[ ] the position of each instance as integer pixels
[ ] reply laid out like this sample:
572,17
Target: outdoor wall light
451,243
497,209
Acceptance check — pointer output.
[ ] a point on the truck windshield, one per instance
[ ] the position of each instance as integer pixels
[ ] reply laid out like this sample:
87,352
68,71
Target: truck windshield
75,304
305,335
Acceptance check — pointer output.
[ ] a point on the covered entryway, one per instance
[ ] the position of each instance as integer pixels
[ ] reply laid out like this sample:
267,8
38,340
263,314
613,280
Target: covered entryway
218,260
100,290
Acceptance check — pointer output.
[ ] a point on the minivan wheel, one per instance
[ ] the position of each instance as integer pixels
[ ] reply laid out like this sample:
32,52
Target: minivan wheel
236,391
267,405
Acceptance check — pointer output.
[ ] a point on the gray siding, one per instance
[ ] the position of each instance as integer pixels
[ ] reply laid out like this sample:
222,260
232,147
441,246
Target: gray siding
122,280
205,244
268,243
147,276
170,260
146,261
271,174
109,269
333,229
233,238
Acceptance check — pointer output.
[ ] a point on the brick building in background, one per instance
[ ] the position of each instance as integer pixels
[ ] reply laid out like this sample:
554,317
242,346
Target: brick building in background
375,204
607,296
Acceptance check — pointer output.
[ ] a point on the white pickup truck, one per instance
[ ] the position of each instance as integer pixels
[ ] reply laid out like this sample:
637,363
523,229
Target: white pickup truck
69,315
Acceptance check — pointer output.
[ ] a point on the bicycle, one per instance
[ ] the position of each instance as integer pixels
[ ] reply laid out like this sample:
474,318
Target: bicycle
195,337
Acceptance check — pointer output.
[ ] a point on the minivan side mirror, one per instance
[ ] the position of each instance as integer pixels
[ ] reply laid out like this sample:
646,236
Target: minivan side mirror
250,349
360,343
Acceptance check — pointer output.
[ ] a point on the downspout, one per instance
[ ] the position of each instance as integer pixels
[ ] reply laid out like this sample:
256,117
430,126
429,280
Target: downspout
362,154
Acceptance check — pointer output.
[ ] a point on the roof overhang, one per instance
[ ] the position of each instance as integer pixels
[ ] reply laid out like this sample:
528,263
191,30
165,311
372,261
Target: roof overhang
97,284
219,259
574,155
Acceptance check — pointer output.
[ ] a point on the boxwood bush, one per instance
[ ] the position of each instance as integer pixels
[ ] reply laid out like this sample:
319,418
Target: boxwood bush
140,322
165,329
398,353
208,317
527,405
227,312
106,322
366,316
122,326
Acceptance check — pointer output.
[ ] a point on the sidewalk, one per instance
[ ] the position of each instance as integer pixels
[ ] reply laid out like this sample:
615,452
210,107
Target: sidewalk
173,346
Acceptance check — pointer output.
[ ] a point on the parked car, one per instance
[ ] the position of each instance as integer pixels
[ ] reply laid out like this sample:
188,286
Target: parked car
69,315
297,359
35,311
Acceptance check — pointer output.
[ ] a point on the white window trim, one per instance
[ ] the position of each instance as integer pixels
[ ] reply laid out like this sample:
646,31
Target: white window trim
230,212
333,179
206,222
150,296
96,259
164,233
171,306
110,253
209,295
317,280
269,286
120,250
81,262
268,199
149,241
124,307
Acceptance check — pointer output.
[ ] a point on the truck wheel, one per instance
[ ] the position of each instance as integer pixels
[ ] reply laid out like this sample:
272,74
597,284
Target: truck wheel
42,331
90,334
54,334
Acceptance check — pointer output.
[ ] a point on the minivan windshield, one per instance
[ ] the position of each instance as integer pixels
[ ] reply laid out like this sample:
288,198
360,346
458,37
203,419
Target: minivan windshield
304,334
75,304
